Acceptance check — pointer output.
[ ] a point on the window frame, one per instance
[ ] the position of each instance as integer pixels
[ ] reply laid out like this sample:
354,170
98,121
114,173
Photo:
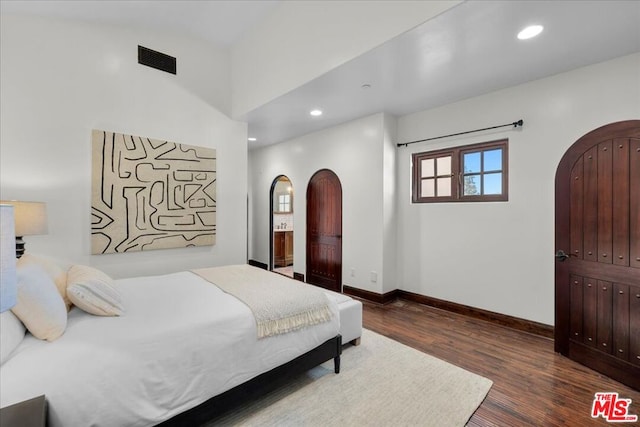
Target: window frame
457,174
284,201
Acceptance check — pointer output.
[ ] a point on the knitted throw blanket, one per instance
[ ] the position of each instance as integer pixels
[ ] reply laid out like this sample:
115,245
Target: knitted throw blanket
279,304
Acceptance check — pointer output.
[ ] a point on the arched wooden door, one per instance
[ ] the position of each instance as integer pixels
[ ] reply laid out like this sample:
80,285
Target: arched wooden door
597,306
324,230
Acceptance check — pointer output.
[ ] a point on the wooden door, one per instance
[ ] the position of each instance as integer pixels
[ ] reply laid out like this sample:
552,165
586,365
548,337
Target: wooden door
597,307
279,249
324,231
288,248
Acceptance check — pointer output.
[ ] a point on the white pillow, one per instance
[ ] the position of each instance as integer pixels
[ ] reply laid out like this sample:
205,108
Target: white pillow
39,305
93,291
52,267
11,334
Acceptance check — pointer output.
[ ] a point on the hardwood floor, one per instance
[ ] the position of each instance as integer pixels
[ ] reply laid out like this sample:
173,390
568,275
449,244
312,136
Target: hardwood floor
532,385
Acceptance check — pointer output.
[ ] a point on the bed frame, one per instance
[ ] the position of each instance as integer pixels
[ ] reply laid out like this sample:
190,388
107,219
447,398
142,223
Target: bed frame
258,386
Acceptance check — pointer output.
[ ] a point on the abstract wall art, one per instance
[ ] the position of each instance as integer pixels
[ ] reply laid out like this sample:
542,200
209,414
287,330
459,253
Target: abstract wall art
150,194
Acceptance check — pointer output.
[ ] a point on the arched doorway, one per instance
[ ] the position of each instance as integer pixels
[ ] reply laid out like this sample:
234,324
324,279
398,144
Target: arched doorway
324,230
597,283
281,226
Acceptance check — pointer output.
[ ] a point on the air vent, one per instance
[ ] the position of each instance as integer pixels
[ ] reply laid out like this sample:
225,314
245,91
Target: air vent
157,60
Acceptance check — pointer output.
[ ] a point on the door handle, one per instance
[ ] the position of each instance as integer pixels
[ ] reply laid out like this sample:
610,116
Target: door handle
562,255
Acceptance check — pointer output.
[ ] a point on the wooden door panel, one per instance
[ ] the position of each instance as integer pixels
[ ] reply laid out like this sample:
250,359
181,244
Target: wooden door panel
621,321
634,202
590,230
590,312
620,250
278,249
598,220
604,196
634,325
288,247
605,316
577,208
325,267
576,314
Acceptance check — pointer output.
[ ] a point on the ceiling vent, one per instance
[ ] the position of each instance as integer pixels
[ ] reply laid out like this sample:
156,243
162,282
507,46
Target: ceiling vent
157,60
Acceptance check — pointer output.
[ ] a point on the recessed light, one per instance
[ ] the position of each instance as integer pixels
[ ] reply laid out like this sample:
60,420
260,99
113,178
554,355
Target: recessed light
315,113
530,32
366,86
252,139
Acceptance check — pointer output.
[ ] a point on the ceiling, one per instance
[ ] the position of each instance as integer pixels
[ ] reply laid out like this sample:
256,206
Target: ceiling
221,22
467,51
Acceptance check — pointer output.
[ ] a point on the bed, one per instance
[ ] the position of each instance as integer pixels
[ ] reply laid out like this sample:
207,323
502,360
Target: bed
181,345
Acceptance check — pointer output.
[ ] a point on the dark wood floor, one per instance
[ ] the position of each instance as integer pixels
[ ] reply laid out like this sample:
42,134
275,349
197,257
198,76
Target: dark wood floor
532,385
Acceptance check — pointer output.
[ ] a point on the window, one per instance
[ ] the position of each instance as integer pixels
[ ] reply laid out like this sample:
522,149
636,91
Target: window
284,203
471,173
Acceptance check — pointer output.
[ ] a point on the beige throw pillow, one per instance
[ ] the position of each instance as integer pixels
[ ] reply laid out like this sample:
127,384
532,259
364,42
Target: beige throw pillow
57,273
39,305
92,291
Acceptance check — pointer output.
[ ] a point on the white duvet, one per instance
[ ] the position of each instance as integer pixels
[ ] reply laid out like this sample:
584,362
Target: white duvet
181,341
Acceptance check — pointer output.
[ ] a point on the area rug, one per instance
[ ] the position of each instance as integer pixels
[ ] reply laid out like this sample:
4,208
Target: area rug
381,383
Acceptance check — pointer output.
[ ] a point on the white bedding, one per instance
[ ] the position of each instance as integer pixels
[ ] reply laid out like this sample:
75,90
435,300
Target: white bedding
283,306
181,341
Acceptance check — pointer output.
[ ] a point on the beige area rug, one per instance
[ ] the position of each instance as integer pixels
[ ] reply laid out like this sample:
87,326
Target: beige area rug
381,383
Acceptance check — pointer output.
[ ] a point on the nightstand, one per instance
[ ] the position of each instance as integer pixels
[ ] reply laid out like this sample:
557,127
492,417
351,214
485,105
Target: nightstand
30,413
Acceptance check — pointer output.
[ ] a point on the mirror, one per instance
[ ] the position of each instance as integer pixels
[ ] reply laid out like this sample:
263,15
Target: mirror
282,226
283,196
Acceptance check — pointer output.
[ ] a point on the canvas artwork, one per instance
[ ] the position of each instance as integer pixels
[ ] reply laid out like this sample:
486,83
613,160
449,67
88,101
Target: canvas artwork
150,194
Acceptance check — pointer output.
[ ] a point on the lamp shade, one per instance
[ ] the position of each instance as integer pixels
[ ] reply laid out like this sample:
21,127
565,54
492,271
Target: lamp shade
8,278
30,217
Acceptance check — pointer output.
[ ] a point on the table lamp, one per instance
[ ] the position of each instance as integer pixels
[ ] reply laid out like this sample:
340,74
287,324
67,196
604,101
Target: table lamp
30,220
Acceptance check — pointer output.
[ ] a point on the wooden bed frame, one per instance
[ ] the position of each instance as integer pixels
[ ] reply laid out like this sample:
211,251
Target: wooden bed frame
258,386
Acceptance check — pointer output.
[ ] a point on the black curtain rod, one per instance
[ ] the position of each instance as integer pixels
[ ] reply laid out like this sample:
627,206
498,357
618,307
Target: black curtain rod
514,124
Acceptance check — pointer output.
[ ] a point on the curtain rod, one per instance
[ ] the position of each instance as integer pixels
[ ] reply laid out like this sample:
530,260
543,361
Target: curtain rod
514,124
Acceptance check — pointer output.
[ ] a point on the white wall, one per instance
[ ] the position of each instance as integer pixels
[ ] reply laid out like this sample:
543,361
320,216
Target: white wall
389,205
301,40
353,151
494,256
59,80
499,256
